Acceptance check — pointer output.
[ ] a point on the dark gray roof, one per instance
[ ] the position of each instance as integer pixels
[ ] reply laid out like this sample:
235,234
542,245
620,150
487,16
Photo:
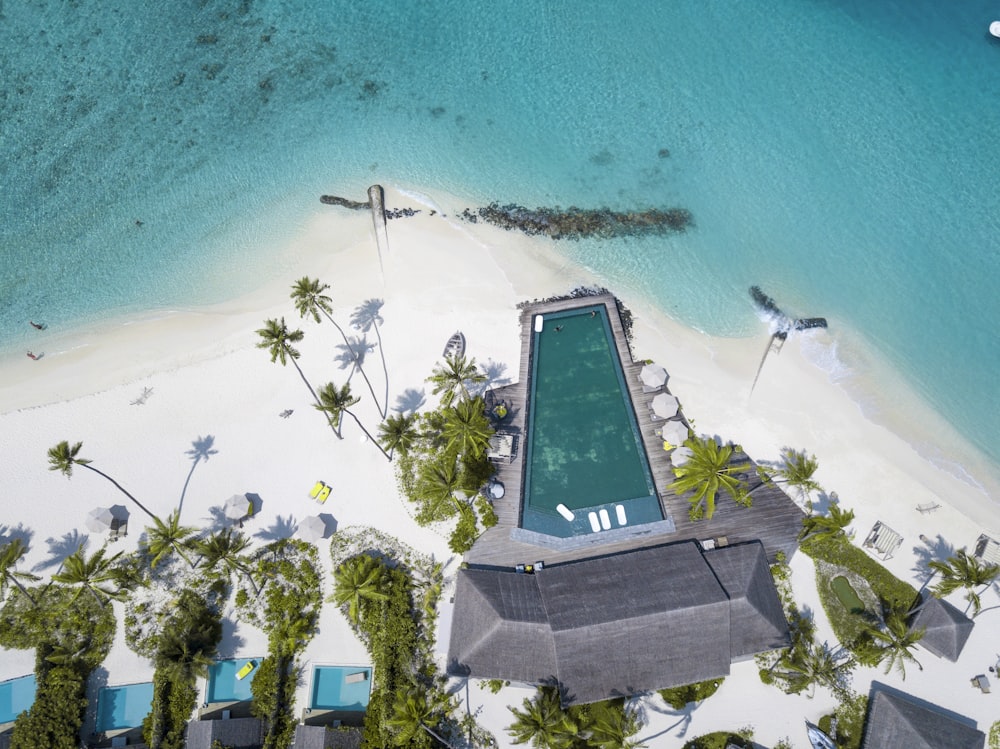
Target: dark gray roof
947,628
320,737
757,618
238,733
646,619
895,720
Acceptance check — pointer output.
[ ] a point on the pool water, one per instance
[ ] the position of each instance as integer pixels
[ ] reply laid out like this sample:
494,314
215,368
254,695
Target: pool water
123,707
846,595
341,688
583,447
223,686
16,696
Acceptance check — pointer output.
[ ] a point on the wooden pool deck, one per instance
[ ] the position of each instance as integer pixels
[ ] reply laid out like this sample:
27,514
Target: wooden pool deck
774,519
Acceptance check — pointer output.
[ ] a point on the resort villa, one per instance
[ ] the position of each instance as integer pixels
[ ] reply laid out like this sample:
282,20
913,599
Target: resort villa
595,579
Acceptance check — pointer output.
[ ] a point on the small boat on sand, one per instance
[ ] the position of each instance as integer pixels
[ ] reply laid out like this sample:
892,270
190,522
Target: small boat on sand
455,346
995,29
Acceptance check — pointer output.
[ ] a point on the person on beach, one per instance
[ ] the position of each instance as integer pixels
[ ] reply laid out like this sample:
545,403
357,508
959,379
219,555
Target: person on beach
32,356
35,325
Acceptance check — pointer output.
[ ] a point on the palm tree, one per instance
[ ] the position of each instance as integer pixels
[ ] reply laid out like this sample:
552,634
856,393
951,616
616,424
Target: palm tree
450,379
365,317
542,722
466,427
356,580
10,554
412,711
707,472
278,339
613,727
896,640
63,457
165,537
797,470
335,402
964,570
226,548
822,526
307,293
437,483
814,665
398,432
92,575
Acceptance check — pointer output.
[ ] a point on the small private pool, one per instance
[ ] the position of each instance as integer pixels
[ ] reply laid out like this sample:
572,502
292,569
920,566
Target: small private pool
16,696
584,456
846,594
344,688
124,706
224,684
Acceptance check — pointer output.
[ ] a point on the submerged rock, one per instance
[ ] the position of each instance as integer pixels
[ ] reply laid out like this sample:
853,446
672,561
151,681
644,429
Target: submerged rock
581,223
354,205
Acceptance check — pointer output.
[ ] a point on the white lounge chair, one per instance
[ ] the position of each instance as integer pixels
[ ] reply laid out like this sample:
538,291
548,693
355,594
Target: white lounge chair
605,519
620,515
565,512
595,524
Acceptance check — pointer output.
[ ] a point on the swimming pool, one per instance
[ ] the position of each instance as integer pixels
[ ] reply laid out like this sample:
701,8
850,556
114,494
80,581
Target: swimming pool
223,686
341,688
16,696
583,449
124,706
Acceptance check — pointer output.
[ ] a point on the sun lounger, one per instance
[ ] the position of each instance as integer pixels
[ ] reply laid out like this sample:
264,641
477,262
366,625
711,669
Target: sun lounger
565,512
927,507
987,549
317,488
620,515
247,669
605,519
595,524
323,494
356,677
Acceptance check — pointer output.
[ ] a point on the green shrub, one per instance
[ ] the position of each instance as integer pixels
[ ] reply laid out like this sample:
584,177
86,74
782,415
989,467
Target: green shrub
679,697
850,714
718,740
55,717
465,533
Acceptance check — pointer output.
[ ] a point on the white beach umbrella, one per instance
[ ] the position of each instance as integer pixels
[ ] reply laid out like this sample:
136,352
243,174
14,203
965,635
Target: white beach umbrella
99,519
653,375
680,456
238,507
311,529
664,405
675,432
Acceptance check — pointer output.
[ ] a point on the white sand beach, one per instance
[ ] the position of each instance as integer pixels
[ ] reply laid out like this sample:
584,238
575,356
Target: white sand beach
206,379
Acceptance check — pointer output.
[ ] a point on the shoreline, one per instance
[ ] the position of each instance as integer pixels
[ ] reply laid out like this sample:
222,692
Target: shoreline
209,380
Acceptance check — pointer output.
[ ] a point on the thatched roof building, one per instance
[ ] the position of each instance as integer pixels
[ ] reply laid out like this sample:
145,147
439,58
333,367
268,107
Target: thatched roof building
946,628
896,719
616,625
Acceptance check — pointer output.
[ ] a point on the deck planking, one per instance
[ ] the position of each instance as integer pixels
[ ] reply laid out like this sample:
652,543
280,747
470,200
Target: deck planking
774,519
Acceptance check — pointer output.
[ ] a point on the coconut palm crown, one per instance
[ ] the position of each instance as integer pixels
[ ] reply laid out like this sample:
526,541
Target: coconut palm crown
707,472
964,570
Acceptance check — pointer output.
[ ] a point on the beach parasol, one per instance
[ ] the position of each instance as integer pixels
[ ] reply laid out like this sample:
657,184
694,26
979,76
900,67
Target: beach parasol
653,376
99,519
311,529
675,432
238,507
680,456
664,405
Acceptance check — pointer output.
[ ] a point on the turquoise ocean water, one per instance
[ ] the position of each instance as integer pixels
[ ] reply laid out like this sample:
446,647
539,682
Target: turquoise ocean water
843,154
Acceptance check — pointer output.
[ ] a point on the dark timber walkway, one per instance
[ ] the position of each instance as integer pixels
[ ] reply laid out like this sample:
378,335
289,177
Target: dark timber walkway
774,518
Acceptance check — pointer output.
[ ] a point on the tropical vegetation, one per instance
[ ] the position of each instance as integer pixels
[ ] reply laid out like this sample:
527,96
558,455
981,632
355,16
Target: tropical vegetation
710,470
542,722
963,570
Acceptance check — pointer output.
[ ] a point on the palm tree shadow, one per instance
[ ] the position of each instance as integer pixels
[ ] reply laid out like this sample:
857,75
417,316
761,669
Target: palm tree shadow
366,314
495,377
19,533
231,642
201,449
821,503
218,520
926,552
353,355
62,547
281,528
684,715
410,400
